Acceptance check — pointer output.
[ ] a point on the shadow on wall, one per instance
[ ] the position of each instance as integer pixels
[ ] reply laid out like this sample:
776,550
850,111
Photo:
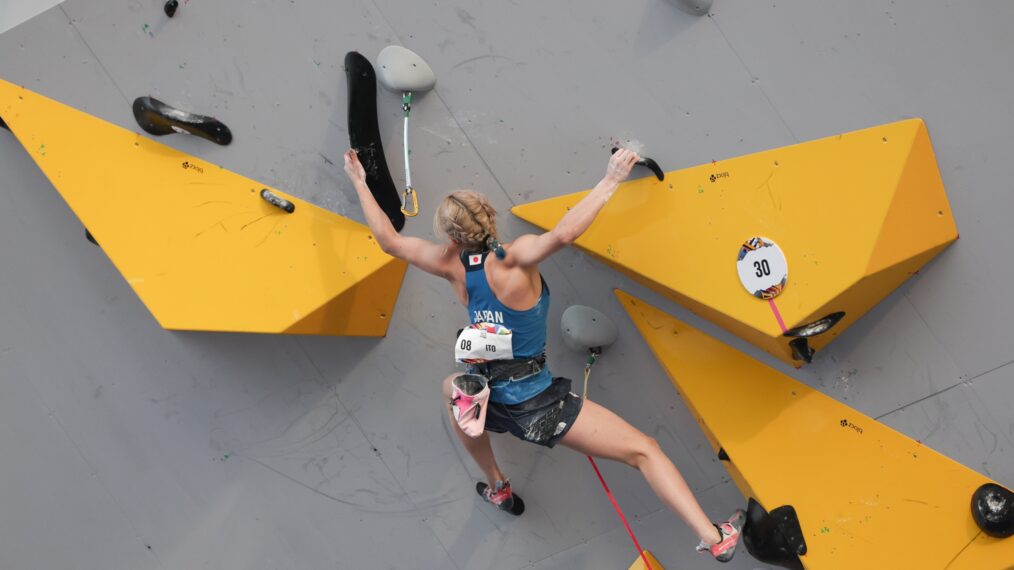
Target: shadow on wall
661,21
14,12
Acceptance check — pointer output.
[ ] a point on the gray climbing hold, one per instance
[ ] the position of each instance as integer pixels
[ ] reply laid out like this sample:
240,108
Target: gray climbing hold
402,70
585,328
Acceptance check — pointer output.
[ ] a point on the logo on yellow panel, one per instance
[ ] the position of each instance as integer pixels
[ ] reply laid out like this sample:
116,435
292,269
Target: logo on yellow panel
852,426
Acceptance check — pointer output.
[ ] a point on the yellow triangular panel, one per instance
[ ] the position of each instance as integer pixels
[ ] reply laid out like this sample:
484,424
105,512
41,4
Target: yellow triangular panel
825,203
860,489
197,243
640,565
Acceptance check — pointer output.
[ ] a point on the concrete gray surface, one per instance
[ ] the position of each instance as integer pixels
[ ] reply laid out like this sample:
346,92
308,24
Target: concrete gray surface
14,12
127,446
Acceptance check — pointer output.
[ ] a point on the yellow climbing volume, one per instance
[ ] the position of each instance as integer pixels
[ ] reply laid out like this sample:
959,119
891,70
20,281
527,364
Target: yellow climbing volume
866,496
855,215
198,244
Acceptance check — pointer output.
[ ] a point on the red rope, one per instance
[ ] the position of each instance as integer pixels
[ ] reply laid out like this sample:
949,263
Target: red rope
616,506
778,316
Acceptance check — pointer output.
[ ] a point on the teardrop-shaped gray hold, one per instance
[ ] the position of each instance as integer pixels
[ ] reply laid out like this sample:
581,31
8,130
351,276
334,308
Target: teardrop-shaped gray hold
585,328
400,69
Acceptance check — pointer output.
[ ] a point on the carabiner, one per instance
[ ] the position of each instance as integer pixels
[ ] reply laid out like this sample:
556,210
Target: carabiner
409,191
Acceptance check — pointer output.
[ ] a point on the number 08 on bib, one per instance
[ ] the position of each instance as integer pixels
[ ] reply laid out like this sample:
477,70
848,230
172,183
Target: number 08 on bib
483,342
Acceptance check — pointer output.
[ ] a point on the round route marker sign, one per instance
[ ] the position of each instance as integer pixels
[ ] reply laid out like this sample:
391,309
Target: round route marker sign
762,268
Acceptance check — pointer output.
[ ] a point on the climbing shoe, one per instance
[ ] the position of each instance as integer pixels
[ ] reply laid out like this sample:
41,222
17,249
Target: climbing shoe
501,496
724,549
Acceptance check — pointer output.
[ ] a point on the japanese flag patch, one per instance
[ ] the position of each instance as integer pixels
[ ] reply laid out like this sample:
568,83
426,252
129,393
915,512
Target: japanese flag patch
475,259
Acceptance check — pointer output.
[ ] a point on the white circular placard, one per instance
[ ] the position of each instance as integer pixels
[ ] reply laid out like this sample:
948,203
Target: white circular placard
762,268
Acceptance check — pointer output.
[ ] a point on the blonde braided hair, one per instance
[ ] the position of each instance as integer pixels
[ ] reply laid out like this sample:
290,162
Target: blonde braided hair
467,217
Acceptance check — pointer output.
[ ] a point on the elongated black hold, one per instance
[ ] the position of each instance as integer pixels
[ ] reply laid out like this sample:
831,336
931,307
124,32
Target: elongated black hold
648,163
90,237
993,510
774,538
653,166
3,124
364,136
801,350
277,201
159,119
170,7
820,326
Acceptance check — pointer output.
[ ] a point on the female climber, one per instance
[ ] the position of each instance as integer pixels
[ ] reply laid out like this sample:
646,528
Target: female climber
501,285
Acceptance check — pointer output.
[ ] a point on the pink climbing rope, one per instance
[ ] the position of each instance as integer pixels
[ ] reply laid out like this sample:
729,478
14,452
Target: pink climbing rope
616,506
623,519
778,316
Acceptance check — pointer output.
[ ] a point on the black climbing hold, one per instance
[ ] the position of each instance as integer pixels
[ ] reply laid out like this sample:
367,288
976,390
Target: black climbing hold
775,537
648,163
170,7
801,349
722,455
159,119
993,510
820,326
3,124
90,237
788,523
364,136
653,166
277,201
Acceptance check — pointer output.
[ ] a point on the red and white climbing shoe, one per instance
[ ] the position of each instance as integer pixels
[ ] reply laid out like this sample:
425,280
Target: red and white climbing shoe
501,496
724,549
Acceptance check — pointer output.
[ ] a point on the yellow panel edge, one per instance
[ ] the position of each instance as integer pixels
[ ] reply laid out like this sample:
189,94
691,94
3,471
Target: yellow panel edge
640,565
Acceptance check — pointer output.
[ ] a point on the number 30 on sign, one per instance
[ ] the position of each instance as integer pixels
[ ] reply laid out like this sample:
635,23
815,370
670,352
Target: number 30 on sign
762,268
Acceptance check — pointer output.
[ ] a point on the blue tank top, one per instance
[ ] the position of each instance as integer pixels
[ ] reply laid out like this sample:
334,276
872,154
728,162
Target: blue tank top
529,328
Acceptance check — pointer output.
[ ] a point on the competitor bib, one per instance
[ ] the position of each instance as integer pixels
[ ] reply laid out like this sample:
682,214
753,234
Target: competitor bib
483,342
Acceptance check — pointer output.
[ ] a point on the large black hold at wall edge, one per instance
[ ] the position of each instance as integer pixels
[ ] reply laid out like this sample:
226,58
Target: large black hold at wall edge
364,135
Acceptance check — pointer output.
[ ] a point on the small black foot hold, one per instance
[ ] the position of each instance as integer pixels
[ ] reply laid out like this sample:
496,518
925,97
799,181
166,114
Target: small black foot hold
775,537
820,326
3,124
801,350
993,510
159,119
170,7
90,237
277,201
648,163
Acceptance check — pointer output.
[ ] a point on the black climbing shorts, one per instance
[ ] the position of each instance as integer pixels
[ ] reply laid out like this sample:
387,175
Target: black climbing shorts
542,419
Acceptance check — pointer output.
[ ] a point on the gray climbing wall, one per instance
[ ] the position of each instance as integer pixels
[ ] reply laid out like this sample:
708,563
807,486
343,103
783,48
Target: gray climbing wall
126,446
